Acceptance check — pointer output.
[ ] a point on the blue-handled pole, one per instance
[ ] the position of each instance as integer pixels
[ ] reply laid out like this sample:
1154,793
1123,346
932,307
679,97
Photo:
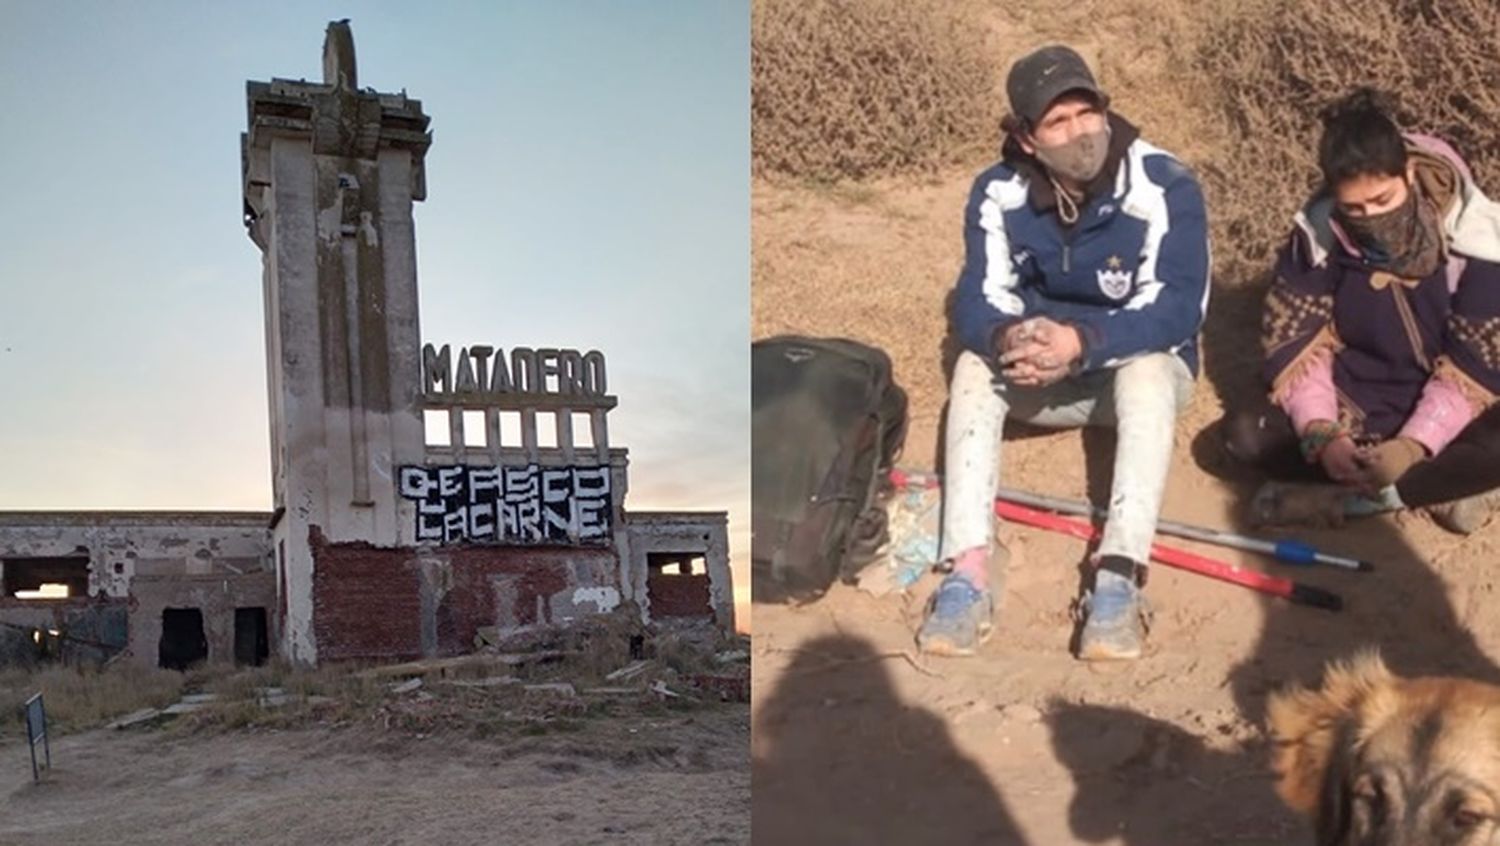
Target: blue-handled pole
1288,551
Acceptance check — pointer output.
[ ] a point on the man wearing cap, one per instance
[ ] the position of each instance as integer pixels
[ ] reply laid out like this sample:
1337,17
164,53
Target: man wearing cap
1084,284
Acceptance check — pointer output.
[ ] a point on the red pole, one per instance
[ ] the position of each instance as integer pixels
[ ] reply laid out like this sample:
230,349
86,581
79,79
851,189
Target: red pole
1171,556
1179,558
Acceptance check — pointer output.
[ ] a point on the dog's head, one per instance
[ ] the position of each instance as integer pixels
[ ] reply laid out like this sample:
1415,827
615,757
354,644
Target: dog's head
1381,761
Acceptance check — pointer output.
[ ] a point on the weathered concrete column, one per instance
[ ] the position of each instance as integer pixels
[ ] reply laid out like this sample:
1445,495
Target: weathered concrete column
565,433
330,175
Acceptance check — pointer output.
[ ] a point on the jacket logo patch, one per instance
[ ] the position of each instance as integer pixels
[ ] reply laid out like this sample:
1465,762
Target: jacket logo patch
1114,281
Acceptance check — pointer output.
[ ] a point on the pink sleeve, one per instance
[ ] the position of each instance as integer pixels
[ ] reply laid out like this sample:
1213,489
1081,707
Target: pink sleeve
1311,396
1441,413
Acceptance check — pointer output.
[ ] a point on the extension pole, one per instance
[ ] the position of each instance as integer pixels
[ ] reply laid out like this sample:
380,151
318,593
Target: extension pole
1286,551
1295,592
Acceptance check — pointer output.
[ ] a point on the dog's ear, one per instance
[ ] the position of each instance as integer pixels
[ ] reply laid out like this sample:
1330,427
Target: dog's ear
1314,731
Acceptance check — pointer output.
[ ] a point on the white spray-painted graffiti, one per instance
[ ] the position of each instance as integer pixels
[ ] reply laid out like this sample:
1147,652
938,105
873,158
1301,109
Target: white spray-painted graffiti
605,599
522,505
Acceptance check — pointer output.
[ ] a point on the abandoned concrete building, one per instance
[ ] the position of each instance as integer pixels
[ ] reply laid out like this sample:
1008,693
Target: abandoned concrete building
419,494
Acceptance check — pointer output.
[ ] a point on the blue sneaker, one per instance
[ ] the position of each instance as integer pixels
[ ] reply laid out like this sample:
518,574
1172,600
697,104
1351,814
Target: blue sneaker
1114,626
958,619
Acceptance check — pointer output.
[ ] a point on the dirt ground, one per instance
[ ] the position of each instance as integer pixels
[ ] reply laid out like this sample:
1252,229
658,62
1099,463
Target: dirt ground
853,742
857,740
680,777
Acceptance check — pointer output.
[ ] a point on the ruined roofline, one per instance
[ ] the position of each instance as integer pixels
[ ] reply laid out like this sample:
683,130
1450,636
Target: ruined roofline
295,95
60,517
664,516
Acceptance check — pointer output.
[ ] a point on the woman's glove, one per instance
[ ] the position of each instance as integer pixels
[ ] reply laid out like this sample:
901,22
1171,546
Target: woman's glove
1389,460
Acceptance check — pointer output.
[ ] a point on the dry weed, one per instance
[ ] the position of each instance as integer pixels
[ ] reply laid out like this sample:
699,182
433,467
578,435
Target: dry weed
858,88
1274,64
77,698
334,693
866,88
246,683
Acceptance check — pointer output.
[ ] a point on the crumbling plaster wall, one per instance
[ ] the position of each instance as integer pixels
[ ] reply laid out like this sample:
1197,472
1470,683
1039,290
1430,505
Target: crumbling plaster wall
216,595
703,533
122,545
154,561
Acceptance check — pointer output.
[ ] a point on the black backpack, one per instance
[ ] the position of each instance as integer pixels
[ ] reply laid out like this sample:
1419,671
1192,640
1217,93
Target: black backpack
827,426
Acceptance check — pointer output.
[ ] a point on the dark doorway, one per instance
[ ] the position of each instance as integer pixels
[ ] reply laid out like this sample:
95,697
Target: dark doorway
251,644
182,640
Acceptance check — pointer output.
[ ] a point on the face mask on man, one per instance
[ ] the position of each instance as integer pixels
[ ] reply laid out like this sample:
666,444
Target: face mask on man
1405,240
1078,160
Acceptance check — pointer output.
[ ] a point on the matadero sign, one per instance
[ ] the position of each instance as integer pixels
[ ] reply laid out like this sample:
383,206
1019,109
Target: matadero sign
484,370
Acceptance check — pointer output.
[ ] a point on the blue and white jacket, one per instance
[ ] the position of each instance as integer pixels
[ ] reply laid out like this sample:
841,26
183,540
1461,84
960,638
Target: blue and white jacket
1131,274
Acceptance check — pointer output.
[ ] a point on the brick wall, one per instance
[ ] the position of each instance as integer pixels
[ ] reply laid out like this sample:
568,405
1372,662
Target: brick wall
676,595
368,602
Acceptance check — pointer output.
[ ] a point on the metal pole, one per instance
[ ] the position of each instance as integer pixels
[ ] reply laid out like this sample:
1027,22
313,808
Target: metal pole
1295,592
35,716
1289,551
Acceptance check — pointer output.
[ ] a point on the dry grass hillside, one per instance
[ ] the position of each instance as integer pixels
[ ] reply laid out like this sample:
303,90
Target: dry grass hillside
579,744
1024,744
847,90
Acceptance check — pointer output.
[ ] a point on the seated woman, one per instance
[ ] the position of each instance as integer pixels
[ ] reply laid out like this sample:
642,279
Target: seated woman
1382,334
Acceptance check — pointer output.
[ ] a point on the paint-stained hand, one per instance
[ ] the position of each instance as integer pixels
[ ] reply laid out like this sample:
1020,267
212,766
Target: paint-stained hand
1039,351
1340,460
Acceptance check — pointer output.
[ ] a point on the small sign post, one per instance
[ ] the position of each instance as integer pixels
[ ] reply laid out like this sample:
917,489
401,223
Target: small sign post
36,732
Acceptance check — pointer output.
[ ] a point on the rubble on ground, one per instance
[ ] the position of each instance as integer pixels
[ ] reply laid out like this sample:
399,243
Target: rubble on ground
540,677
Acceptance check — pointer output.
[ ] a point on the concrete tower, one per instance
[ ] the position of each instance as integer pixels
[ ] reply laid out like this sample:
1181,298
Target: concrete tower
390,539
330,174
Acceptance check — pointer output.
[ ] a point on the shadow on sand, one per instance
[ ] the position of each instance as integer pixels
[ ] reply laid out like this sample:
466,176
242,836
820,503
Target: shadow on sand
1149,782
839,758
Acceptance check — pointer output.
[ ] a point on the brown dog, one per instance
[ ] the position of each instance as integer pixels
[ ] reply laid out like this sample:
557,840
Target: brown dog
1377,759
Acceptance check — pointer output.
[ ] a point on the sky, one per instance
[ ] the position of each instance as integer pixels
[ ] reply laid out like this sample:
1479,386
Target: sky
587,188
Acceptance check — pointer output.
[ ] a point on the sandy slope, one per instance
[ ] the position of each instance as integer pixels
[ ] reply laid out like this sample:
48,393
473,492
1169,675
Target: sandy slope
856,741
1024,744
679,779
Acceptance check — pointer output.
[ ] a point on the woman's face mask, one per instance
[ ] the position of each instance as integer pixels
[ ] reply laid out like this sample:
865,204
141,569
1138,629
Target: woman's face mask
1404,240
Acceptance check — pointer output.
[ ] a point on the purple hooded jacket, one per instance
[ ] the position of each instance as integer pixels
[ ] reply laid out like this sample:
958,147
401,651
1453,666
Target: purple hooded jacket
1383,355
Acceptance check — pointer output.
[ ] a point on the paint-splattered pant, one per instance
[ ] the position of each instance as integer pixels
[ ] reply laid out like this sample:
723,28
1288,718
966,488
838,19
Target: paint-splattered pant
1141,399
